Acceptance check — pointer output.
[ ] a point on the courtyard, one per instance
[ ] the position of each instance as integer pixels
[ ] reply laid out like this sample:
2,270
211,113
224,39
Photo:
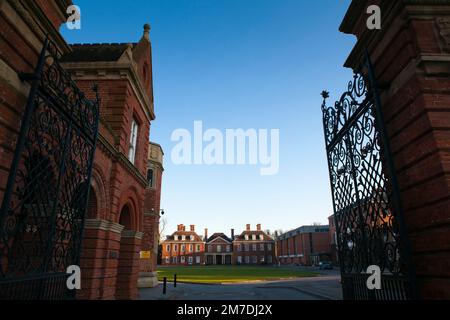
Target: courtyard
256,283
231,274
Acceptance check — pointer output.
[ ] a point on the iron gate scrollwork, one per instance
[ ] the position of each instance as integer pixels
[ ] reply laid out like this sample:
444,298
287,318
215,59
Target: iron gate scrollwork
367,208
43,208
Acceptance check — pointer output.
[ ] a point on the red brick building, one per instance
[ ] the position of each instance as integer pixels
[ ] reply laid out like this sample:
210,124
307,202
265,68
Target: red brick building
119,178
306,245
253,247
183,248
219,249
115,224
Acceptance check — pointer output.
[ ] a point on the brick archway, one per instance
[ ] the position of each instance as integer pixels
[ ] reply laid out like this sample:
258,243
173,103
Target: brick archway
99,234
130,243
98,184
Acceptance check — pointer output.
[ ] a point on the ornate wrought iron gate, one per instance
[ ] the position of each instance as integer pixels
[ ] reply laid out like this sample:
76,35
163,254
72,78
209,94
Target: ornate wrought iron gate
43,208
367,208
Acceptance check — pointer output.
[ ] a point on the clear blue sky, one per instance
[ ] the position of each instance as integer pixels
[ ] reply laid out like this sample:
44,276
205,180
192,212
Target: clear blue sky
237,64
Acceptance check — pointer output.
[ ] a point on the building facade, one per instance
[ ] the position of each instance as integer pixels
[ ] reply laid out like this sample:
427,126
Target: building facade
183,248
253,247
306,245
187,248
219,249
114,226
119,178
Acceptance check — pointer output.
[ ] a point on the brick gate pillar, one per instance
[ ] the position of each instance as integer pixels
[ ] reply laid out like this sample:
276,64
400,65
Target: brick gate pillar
411,57
128,267
99,259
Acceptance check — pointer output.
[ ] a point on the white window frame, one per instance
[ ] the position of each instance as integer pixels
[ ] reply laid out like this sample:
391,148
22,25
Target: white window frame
239,259
168,248
197,260
253,236
255,247
190,260
133,141
246,237
261,247
197,248
219,248
269,246
183,248
182,259
254,259
228,248
247,259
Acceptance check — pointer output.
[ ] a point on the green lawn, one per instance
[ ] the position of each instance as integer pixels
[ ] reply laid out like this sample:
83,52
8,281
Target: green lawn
229,274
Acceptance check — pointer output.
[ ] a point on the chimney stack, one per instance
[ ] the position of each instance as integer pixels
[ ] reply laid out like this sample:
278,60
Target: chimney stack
206,234
232,234
247,227
258,227
180,227
192,227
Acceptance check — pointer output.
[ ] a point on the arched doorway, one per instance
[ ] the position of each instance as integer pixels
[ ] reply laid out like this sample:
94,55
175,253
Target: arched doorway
127,275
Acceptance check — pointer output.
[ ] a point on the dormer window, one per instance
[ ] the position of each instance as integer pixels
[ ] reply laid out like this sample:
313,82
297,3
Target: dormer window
246,237
183,238
133,141
261,237
253,236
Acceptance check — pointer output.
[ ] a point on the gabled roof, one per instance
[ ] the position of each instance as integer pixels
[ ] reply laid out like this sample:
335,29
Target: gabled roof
105,52
218,235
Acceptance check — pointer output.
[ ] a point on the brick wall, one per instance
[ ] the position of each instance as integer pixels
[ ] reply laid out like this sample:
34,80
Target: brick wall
411,54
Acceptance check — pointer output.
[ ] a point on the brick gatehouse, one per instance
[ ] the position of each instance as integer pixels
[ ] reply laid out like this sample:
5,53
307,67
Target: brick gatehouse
117,221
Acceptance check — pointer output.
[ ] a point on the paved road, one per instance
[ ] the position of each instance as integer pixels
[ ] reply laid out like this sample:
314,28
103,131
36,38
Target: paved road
324,287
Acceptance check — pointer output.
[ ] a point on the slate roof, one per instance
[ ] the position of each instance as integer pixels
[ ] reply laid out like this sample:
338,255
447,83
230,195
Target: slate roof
218,234
106,52
241,237
176,234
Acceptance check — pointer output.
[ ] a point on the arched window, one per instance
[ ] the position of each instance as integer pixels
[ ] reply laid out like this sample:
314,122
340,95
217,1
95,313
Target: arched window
150,178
